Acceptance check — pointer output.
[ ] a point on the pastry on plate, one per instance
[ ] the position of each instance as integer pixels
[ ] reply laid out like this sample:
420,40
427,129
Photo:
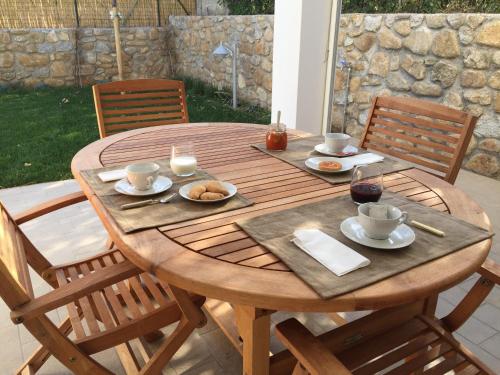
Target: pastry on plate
329,166
208,196
197,191
216,187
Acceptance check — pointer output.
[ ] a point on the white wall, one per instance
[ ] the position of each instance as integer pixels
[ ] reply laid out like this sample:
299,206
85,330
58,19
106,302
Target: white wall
301,34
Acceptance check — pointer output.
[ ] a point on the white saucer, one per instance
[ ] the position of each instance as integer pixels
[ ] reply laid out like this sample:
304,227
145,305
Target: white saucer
402,236
184,191
348,150
314,162
161,184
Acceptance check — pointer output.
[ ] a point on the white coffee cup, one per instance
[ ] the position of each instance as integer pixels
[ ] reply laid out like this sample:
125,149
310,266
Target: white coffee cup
142,175
380,228
336,142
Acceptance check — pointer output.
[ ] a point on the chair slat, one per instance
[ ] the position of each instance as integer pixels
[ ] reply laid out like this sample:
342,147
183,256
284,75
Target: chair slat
425,133
414,150
142,110
143,101
391,129
139,103
137,85
74,316
410,158
422,107
426,124
153,289
424,358
116,307
137,125
399,354
84,302
142,95
125,293
102,309
137,118
450,362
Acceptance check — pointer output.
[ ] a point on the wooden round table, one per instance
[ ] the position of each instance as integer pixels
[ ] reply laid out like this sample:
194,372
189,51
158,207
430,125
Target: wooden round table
211,256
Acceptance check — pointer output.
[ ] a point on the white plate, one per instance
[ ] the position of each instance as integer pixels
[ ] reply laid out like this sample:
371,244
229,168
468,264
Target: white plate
349,150
402,236
313,163
161,184
184,191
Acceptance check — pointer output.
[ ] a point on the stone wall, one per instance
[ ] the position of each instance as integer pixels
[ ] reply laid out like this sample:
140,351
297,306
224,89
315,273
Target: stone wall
449,58
38,57
192,40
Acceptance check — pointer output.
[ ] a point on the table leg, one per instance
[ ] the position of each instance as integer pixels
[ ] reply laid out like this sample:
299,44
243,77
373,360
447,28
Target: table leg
254,326
430,305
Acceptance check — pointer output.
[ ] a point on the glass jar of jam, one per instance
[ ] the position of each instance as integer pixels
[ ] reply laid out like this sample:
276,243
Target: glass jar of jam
276,137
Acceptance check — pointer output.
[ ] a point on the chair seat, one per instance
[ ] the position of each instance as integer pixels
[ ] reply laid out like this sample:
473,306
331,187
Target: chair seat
420,344
115,305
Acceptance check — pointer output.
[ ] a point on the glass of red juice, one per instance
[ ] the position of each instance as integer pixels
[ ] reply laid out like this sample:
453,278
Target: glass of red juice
367,184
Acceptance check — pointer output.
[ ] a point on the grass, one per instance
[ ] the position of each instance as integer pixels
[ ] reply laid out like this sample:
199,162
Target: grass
41,130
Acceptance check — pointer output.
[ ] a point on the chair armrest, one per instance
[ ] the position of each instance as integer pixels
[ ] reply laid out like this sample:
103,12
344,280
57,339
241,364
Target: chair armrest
491,270
49,206
490,275
309,351
74,290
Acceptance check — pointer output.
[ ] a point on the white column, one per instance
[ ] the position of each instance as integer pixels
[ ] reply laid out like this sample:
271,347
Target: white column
302,58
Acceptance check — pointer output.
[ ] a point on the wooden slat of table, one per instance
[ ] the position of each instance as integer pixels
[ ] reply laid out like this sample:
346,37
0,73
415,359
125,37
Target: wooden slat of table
269,182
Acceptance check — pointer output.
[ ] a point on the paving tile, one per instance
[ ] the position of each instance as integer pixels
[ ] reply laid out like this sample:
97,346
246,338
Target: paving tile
476,331
219,347
489,314
492,345
494,297
11,356
443,307
193,353
210,367
453,295
490,360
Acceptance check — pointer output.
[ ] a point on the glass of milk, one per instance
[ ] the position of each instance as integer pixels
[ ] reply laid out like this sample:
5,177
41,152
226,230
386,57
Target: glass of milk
183,160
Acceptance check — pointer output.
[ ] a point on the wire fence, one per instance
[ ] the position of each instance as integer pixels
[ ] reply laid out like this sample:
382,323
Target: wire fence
89,13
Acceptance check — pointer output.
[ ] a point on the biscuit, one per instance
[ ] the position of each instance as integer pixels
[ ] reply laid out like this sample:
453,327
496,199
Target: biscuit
216,187
208,196
196,191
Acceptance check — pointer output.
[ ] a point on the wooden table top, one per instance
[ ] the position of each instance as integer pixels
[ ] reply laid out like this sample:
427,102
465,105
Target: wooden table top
213,257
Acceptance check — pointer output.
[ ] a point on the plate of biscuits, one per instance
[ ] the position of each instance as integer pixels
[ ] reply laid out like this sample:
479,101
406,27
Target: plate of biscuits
329,165
208,191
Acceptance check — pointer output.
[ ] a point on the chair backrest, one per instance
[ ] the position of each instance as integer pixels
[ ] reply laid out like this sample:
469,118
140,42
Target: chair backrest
126,105
422,132
15,282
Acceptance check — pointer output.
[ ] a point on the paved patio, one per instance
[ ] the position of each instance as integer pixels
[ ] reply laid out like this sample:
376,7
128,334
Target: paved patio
76,231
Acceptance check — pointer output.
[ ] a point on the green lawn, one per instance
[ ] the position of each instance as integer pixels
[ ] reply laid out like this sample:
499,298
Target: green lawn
41,130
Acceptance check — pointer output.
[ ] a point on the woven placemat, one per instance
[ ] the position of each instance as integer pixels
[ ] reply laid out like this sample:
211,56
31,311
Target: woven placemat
299,150
274,231
177,210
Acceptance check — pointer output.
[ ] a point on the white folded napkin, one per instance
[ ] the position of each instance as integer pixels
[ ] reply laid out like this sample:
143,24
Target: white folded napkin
367,158
113,175
331,253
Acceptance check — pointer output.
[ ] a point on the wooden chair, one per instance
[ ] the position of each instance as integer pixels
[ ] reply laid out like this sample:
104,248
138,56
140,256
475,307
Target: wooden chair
126,105
422,132
392,341
109,300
